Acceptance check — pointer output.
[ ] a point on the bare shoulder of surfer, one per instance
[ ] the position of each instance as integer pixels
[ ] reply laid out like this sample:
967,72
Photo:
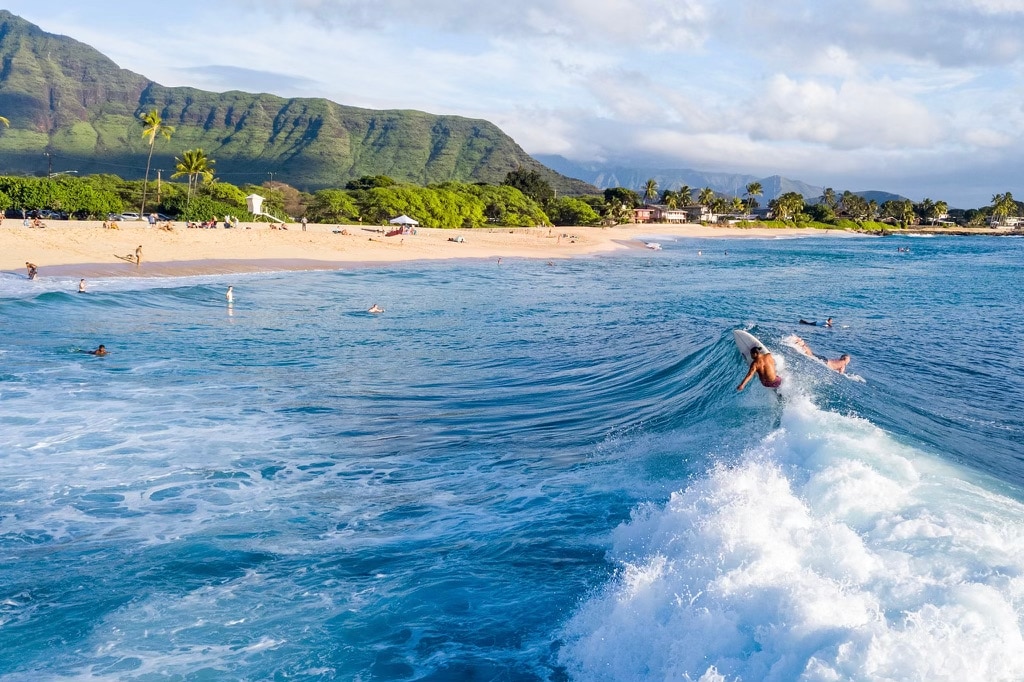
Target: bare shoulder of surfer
840,363
763,365
102,350
375,309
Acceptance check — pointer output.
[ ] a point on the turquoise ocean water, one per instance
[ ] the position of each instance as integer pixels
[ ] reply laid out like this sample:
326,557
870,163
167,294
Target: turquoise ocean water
521,471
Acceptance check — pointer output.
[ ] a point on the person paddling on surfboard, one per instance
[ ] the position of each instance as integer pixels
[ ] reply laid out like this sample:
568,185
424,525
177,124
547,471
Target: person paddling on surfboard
839,364
763,364
814,323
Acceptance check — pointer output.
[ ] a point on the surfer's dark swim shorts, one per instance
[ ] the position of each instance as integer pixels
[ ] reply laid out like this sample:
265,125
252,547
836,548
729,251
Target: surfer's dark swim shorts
774,384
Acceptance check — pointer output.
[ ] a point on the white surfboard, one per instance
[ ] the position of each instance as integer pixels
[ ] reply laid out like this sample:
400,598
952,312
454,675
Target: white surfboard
745,341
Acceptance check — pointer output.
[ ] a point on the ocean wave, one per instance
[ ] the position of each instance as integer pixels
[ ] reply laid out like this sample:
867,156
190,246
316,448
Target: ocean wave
829,551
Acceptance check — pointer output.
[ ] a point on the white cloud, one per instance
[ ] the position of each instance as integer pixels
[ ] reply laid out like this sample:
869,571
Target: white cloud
662,23
986,137
851,116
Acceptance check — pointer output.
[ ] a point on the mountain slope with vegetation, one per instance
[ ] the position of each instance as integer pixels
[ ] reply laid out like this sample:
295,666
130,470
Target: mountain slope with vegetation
72,109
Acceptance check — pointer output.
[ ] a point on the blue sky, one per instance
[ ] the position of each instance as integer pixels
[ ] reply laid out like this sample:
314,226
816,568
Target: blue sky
920,97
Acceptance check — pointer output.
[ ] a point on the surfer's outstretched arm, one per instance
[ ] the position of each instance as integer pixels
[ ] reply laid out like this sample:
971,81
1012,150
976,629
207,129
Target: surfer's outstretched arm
750,374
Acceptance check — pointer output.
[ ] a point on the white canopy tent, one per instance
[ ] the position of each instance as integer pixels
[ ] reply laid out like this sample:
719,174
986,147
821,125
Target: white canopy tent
403,220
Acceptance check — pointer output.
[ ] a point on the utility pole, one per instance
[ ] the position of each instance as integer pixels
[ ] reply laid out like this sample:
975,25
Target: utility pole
49,163
271,174
158,172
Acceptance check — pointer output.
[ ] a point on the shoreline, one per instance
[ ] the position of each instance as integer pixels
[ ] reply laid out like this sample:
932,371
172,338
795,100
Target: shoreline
86,249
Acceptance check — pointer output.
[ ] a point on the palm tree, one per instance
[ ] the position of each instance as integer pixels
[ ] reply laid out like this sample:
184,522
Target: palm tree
153,126
650,189
685,195
193,164
736,204
753,190
787,206
706,196
927,207
872,209
1003,205
828,197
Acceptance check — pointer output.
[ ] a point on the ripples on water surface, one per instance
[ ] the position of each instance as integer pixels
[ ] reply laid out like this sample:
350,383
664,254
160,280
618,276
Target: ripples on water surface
520,472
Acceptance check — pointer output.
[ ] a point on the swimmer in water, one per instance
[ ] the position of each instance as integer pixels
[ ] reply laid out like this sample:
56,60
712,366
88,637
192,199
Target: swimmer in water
230,295
375,309
102,350
81,286
838,364
814,323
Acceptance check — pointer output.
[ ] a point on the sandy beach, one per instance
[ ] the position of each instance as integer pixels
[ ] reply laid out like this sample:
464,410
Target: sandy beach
85,248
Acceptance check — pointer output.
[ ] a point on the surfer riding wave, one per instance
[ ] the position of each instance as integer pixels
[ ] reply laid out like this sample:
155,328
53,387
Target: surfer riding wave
763,364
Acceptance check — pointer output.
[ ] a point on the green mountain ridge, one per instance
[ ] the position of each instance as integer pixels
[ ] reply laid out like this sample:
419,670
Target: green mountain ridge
73,109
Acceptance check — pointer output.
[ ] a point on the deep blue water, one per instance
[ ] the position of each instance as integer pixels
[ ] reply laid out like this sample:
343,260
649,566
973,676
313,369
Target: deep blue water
521,471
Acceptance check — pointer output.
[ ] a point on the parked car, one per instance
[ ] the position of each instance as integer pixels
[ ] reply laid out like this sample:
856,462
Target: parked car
115,216
130,216
52,215
164,218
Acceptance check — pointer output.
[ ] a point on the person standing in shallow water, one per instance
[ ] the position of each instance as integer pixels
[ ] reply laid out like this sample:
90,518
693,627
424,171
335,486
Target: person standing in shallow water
230,295
81,286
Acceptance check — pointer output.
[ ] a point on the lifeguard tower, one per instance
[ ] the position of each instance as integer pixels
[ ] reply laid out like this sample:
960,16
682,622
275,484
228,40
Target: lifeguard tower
254,202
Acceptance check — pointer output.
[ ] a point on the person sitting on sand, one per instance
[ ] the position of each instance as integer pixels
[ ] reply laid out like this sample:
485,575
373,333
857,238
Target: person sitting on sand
375,309
839,364
763,364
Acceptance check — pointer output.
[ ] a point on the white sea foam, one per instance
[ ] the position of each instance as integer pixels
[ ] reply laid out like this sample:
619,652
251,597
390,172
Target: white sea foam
830,552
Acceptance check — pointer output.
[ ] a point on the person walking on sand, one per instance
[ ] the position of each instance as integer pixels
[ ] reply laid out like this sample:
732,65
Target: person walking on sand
763,364
138,255
230,295
303,221
839,364
81,286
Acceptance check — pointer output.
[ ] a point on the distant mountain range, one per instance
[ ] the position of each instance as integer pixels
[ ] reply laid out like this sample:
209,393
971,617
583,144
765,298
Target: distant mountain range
729,184
73,109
